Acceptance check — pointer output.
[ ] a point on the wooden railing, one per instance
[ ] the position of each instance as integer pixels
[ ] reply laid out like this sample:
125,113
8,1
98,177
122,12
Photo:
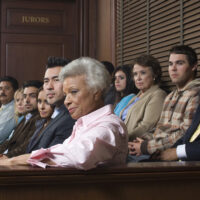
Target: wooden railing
159,180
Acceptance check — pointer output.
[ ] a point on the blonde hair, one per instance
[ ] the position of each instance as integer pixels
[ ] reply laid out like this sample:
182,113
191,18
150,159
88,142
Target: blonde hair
18,91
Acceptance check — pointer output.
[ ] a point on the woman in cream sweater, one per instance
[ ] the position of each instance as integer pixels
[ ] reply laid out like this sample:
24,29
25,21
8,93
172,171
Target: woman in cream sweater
143,110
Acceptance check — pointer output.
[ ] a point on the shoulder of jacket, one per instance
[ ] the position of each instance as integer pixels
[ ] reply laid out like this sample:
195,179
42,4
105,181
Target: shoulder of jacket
158,93
193,91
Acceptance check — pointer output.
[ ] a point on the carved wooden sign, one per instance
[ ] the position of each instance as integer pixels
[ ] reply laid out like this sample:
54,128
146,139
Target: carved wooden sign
31,19
35,20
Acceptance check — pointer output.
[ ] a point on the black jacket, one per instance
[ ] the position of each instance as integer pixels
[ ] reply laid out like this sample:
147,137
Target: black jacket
57,130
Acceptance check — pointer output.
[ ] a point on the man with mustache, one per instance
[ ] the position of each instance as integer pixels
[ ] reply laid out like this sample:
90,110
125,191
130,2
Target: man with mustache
8,86
18,142
60,126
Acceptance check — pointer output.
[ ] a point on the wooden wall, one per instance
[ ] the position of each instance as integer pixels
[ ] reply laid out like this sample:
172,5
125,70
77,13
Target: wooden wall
33,30
99,29
105,30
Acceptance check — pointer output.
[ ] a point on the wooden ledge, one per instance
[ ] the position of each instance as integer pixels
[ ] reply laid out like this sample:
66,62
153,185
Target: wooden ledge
156,180
132,172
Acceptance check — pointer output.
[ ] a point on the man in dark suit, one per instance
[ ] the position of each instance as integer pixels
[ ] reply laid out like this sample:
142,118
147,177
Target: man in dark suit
61,124
110,94
18,142
187,147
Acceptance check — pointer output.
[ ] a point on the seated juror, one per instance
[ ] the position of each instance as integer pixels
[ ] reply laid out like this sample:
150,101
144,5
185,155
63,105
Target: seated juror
60,125
124,86
8,86
19,105
18,142
98,138
187,147
178,108
142,112
45,111
19,108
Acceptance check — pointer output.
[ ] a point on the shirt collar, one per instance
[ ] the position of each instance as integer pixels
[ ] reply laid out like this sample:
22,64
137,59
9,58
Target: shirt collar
8,104
28,116
95,115
55,113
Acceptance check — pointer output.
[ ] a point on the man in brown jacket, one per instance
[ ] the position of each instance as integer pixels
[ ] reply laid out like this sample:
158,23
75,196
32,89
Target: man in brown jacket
17,144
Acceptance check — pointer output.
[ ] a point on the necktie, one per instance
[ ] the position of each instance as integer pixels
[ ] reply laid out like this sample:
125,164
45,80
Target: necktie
196,134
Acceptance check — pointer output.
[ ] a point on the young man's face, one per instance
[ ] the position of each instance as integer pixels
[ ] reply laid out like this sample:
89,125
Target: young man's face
30,99
6,92
180,71
52,86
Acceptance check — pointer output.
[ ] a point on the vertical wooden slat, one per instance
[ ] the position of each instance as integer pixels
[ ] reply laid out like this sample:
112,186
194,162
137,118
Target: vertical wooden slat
151,26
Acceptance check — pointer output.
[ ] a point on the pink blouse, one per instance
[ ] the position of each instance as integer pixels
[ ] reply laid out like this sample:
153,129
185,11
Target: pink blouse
97,138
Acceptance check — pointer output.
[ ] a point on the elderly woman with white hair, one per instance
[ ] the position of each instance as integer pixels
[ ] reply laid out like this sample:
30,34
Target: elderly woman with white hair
98,138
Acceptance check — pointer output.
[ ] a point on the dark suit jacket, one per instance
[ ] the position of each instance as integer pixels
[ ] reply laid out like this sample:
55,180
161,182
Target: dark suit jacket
57,130
19,141
192,148
110,96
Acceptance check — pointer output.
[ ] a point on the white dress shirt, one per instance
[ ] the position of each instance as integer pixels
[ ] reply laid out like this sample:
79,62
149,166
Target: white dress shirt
7,120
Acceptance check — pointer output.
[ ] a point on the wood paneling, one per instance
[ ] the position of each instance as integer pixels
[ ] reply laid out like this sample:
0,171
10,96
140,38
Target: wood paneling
153,27
104,30
158,180
25,56
33,30
46,17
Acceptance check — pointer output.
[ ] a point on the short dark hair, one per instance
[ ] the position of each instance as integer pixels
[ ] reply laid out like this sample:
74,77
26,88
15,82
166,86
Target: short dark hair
186,50
12,80
109,66
53,61
32,83
147,60
41,89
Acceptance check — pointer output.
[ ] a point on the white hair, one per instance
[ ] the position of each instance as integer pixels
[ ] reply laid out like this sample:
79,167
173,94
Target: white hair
97,77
